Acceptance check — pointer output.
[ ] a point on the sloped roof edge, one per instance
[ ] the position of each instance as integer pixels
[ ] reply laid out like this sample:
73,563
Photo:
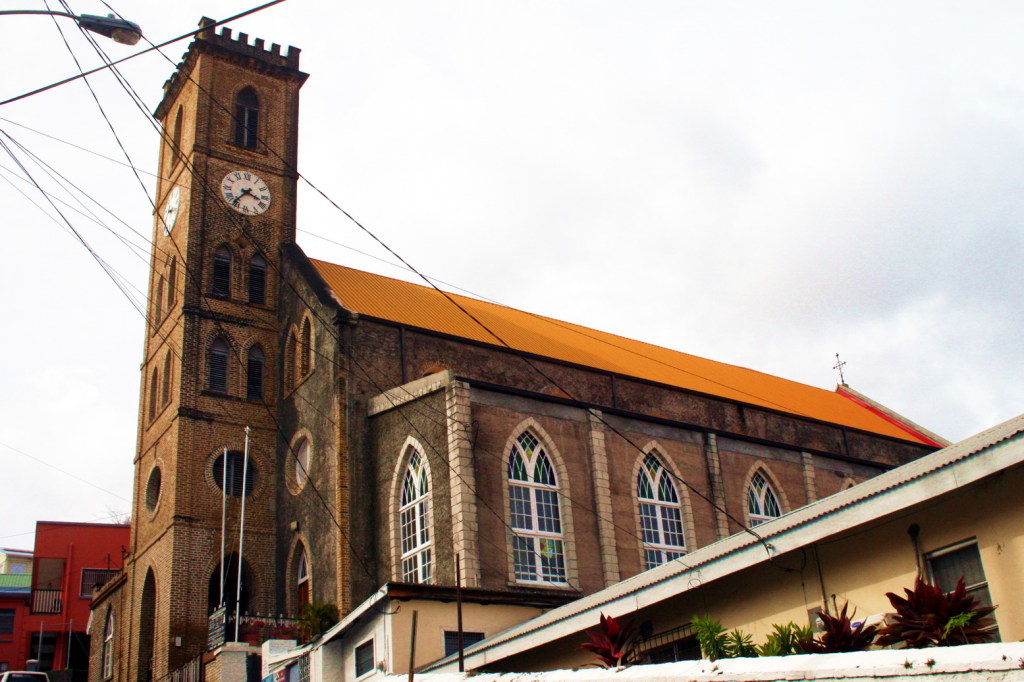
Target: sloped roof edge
948,469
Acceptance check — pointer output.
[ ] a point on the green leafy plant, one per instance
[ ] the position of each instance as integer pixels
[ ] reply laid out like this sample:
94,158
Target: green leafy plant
840,636
784,640
711,636
927,617
739,644
612,643
316,619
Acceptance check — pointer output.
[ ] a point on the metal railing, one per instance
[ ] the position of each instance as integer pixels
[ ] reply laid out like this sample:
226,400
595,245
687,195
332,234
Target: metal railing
190,672
47,601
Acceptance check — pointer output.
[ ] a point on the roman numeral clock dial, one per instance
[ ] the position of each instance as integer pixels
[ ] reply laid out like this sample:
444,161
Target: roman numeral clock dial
245,192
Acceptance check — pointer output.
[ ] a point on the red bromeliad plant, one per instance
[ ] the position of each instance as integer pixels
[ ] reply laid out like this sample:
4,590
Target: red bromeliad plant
612,642
930,617
840,636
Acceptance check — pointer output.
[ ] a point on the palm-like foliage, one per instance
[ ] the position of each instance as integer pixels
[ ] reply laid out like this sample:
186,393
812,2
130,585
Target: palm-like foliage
927,616
784,640
612,642
316,619
840,636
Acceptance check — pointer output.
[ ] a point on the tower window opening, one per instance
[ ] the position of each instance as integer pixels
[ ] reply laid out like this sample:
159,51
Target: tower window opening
247,118
221,285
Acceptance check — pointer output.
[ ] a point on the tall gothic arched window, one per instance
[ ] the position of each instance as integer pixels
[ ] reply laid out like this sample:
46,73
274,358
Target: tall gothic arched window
302,580
108,646
254,367
661,518
221,281
165,390
218,378
762,503
257,279
538,547
247,118
153,384
305,361
414,521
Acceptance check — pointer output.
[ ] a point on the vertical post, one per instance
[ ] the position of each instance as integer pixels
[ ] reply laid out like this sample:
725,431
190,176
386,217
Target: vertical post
412,646
241,533
223,522
458,608
67,654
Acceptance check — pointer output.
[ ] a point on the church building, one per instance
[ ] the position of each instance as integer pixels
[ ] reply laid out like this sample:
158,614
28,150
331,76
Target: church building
400,434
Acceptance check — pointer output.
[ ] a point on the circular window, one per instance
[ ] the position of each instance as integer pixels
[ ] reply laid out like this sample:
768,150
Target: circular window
153,488
235,473
301,455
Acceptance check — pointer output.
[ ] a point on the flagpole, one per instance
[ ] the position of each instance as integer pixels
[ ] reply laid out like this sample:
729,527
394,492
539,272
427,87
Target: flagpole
241,533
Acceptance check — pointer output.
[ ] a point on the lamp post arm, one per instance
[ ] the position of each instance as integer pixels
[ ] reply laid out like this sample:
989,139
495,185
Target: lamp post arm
117,29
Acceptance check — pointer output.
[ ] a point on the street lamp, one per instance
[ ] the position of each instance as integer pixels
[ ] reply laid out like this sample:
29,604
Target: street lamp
117,29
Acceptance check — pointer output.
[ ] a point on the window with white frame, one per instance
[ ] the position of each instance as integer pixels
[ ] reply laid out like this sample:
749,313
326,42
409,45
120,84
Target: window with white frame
302,580
962,560
414,520
762,503
661,518
538,551
108,646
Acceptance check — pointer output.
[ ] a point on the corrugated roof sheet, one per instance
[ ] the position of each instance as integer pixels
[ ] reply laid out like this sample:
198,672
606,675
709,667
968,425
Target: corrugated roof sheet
415,305
15,580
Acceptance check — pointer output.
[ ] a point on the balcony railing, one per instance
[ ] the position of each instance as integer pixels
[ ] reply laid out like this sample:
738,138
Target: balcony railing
252,628
47,601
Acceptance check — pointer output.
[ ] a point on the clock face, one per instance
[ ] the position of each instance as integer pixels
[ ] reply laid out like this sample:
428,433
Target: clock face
171,209
245,192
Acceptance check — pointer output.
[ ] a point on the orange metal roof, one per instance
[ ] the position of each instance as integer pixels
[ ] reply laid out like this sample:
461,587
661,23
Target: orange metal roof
415,305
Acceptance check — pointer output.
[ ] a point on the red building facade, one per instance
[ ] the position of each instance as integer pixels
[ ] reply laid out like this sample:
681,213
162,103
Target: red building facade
50,619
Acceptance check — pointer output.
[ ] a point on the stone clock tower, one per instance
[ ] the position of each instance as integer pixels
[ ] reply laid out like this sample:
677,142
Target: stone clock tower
225,205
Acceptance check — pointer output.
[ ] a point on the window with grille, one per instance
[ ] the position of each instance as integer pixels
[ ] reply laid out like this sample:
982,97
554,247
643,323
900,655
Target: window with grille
236,469
762,503
661,517
6,621
254,367
218,380
247,118
962,560
364,658
414,520
451,640
93,577
257,280
538,552
221,283
172,282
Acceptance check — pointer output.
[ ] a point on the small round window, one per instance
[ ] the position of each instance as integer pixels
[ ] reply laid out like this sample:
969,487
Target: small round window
301,455
238,476
153,488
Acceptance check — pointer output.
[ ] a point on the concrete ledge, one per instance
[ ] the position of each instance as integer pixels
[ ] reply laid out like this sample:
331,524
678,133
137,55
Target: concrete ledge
399,395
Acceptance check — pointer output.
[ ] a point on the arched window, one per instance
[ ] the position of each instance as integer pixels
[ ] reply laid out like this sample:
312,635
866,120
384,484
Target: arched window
247,118
108,646
158,302
257,279
537,545
290,380
414,520
307,347
762,503
221,283
661,519
172,281
165,391
153,386
254,374
176,135
218,380
302,581
302,460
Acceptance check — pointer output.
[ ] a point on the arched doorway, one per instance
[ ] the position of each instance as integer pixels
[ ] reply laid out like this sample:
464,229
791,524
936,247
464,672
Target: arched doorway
215,596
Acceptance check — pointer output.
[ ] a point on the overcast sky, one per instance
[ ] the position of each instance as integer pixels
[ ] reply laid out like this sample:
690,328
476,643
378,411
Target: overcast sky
763,184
